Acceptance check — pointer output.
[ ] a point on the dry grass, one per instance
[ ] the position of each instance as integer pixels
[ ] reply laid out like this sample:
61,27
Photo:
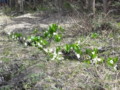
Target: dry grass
27,68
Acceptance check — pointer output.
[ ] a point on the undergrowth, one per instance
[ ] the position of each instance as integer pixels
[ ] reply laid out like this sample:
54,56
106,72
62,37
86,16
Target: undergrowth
61,52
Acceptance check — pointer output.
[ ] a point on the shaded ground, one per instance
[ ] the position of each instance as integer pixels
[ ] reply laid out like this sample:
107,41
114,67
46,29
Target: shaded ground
26,68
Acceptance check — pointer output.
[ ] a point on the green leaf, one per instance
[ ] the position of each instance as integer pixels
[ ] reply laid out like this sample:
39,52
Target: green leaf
93,56
76,48
87,61
35,38
88,51
50,36
16,36
46,33
95,50
112,61
57,38
92,53
115,59
94,35
58,49
53,28
67,48
43,42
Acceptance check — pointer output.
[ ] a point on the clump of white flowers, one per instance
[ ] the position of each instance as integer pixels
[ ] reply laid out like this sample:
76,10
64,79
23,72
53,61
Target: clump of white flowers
39,45
57,56
111,61
54,33
115,67
78,55
96,60
48,50
79,42
93,52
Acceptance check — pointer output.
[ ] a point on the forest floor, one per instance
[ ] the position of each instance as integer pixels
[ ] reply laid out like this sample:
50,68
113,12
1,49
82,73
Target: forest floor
26,68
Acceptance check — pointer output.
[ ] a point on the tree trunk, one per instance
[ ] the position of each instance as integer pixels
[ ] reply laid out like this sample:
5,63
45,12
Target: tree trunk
105,6
21,5
94,9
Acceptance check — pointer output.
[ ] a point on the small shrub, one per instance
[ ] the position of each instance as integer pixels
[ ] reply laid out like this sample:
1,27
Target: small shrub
112,62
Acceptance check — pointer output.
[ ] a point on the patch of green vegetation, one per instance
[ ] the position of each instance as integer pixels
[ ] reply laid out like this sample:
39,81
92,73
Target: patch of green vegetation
112,61
94,35
16,36
54,32
6,60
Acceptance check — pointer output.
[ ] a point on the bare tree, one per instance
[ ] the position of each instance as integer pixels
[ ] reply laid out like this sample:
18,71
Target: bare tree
93,6
90,5
21,5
